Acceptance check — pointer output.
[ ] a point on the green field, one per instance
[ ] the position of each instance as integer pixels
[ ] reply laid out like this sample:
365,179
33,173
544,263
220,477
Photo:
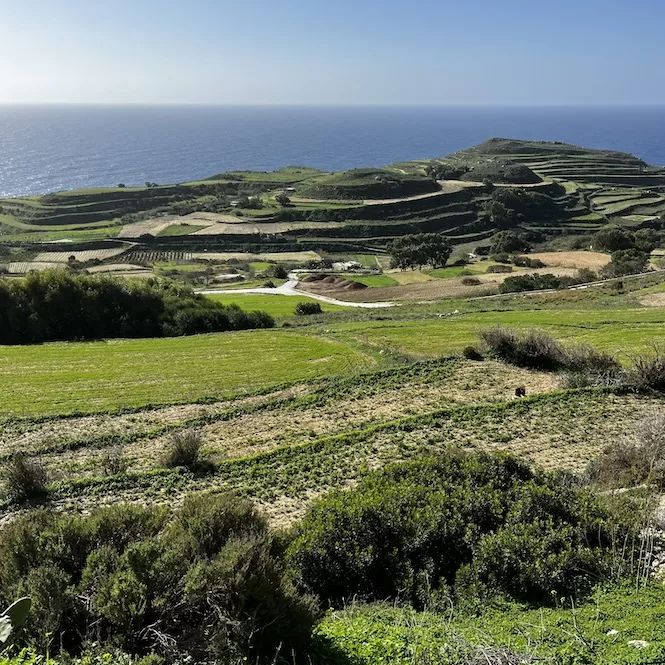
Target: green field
61,378
622,331
276,305
374,280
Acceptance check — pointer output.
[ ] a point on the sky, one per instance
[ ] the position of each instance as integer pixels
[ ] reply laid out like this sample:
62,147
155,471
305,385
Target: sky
397,52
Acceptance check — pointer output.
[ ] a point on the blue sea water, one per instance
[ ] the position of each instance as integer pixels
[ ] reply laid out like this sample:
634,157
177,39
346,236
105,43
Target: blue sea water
52,148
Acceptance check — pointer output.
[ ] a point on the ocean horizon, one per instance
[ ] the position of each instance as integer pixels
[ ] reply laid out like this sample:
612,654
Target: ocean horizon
47,148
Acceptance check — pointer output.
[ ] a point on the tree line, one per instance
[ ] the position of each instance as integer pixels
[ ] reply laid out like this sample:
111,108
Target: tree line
58,305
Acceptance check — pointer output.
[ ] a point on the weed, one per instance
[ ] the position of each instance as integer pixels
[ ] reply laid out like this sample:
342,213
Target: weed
25,478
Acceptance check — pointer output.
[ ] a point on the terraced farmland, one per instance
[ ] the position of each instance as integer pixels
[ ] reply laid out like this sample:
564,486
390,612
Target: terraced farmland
354,211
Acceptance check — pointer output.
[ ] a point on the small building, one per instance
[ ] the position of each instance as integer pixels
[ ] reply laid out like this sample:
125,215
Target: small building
346,265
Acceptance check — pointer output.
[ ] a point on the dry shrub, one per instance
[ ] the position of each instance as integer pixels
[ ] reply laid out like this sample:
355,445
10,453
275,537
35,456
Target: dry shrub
184,449
636,459
113,462
586,366
648,372
25,478
471,281
534,349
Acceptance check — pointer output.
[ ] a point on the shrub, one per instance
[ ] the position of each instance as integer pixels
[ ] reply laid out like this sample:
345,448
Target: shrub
499,268
278,272
531,283
184,449
648,372
626,262
206,583
308,308
634,459
526,262
113,462
484,523
533,349
471,281
25,478
471,353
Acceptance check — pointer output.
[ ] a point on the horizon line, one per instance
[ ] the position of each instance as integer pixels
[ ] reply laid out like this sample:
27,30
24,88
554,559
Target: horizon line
334,105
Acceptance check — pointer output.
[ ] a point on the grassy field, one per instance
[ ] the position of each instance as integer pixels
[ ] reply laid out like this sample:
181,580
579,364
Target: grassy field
374,280
276,305
63,378
623,331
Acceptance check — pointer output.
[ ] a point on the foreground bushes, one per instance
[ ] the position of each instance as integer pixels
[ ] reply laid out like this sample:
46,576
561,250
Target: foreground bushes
207,581
582,364
57,305
481,524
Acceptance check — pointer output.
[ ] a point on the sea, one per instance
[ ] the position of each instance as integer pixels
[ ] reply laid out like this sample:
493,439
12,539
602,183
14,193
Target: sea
53,148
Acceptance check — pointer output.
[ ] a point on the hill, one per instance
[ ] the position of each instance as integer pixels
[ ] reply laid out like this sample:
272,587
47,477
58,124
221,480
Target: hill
297,208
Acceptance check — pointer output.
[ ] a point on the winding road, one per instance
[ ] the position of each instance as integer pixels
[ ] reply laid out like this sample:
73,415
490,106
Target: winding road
289,289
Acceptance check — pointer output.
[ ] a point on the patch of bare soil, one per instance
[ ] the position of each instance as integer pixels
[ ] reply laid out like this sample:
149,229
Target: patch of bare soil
31,437
592,260
653,300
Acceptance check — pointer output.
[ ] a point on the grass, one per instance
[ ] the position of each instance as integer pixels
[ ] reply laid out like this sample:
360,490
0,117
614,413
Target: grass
276,305
178,230
627,330
180,267
382,635
457,271
62,378
374,280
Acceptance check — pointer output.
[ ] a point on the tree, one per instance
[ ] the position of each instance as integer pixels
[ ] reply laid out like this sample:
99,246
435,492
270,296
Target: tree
499,214
283,199
626,262
420,249
612,239
121,185
507,242
646,240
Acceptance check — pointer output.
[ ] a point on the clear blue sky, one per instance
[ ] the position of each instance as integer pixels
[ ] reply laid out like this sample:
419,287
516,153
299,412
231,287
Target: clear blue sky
333,52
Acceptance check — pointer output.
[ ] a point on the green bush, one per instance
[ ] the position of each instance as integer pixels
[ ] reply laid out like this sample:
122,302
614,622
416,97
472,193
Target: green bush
482,524
205,581
531,283
471,353
308,308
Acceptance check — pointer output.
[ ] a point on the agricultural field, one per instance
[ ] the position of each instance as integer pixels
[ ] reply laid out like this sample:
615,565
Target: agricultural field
81,255
276,305
279,410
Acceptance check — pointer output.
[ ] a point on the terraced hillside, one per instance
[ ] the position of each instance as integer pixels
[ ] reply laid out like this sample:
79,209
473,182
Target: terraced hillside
551,189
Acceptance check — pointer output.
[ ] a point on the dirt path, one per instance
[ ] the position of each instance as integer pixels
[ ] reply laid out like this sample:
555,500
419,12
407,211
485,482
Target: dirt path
289,289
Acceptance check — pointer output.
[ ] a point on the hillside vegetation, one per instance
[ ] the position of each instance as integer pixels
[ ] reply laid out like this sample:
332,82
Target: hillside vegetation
469,472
